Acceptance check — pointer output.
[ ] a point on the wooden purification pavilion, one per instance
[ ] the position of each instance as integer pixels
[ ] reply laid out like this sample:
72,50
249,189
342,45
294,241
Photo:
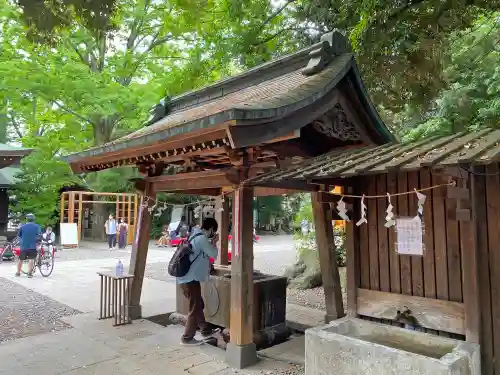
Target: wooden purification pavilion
294,108
453,289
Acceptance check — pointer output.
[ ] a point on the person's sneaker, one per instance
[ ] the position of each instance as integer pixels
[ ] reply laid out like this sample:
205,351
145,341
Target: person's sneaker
192,342
30,275
18,274
207,334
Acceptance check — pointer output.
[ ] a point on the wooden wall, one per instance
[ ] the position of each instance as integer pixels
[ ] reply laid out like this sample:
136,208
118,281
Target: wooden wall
380,281
487,200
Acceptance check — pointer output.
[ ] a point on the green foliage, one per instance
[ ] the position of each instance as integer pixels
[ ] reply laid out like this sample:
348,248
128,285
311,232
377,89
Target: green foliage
305,211
37,192
471,98
306,272
79,73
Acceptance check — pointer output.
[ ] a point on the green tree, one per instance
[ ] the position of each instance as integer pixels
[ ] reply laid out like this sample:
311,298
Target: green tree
84,76
471,97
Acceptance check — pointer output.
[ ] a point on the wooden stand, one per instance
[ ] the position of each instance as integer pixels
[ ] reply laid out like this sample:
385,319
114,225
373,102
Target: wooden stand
114,302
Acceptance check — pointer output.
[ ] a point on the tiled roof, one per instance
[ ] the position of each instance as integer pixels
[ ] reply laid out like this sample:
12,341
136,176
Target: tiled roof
482,147
264,93
267,95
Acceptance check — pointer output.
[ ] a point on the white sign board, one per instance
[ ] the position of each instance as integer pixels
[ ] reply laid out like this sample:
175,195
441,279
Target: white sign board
409,236
177,212
68,233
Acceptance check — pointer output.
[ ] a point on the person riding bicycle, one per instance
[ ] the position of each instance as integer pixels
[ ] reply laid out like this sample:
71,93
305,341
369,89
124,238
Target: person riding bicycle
29,234
49,239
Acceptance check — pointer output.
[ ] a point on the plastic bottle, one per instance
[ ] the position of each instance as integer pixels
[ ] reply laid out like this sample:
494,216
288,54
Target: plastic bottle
119,268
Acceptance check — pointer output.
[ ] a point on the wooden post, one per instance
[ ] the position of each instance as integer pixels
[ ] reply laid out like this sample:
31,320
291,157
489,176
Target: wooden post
352,266
140,251
470,263
71,207
80,208
223,220
241,351
62,215
129,220
117,208
327,259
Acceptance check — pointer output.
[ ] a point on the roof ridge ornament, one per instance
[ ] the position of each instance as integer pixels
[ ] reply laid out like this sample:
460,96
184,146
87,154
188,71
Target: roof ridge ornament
159,111
331,44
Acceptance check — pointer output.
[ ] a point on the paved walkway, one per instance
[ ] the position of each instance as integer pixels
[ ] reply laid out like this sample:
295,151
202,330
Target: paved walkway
96,348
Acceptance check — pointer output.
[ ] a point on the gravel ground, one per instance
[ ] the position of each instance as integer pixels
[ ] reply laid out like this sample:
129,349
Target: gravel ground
24,312
294,370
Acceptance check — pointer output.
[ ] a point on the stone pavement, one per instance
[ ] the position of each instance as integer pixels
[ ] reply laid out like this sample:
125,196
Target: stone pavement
94,347
75,282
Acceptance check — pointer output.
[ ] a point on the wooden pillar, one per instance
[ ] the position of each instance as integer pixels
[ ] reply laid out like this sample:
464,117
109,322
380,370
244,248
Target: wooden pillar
241,351
470,265
352,266
223,220
129,220
71,207
62,214
327,259
140,251
80,208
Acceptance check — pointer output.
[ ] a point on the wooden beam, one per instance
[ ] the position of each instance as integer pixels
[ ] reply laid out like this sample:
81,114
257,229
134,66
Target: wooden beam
289,185
213,192
293,135
222,218
327,259
191,181
241,321
430,313
176,141
267,191
140,252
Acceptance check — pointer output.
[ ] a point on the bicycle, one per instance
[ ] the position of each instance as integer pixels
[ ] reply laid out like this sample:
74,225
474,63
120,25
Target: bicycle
44,260
8,248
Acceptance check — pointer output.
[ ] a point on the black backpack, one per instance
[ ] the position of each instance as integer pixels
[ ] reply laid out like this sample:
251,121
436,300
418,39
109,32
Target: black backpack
180,264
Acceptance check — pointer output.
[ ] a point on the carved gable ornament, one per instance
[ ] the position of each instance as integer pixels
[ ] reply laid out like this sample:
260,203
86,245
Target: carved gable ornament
335,124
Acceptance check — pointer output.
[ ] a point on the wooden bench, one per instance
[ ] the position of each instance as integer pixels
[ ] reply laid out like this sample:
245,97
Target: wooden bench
115,297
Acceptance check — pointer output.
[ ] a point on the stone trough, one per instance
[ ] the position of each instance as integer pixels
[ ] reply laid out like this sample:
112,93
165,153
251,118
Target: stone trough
358,347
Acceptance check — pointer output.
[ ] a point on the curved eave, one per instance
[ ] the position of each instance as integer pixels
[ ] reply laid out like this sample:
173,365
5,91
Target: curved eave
364,97
260,112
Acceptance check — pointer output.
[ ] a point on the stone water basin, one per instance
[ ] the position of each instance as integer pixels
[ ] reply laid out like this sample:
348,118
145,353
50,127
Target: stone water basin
351,346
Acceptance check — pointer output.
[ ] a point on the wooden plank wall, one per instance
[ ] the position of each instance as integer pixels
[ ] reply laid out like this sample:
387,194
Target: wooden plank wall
436,275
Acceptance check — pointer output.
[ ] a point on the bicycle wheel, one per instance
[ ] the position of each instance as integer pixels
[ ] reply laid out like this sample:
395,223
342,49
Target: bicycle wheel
46,264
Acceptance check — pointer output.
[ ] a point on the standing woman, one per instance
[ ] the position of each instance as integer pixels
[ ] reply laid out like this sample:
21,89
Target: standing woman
122,234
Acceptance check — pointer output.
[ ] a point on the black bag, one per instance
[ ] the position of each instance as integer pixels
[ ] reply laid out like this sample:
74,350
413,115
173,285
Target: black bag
180,264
